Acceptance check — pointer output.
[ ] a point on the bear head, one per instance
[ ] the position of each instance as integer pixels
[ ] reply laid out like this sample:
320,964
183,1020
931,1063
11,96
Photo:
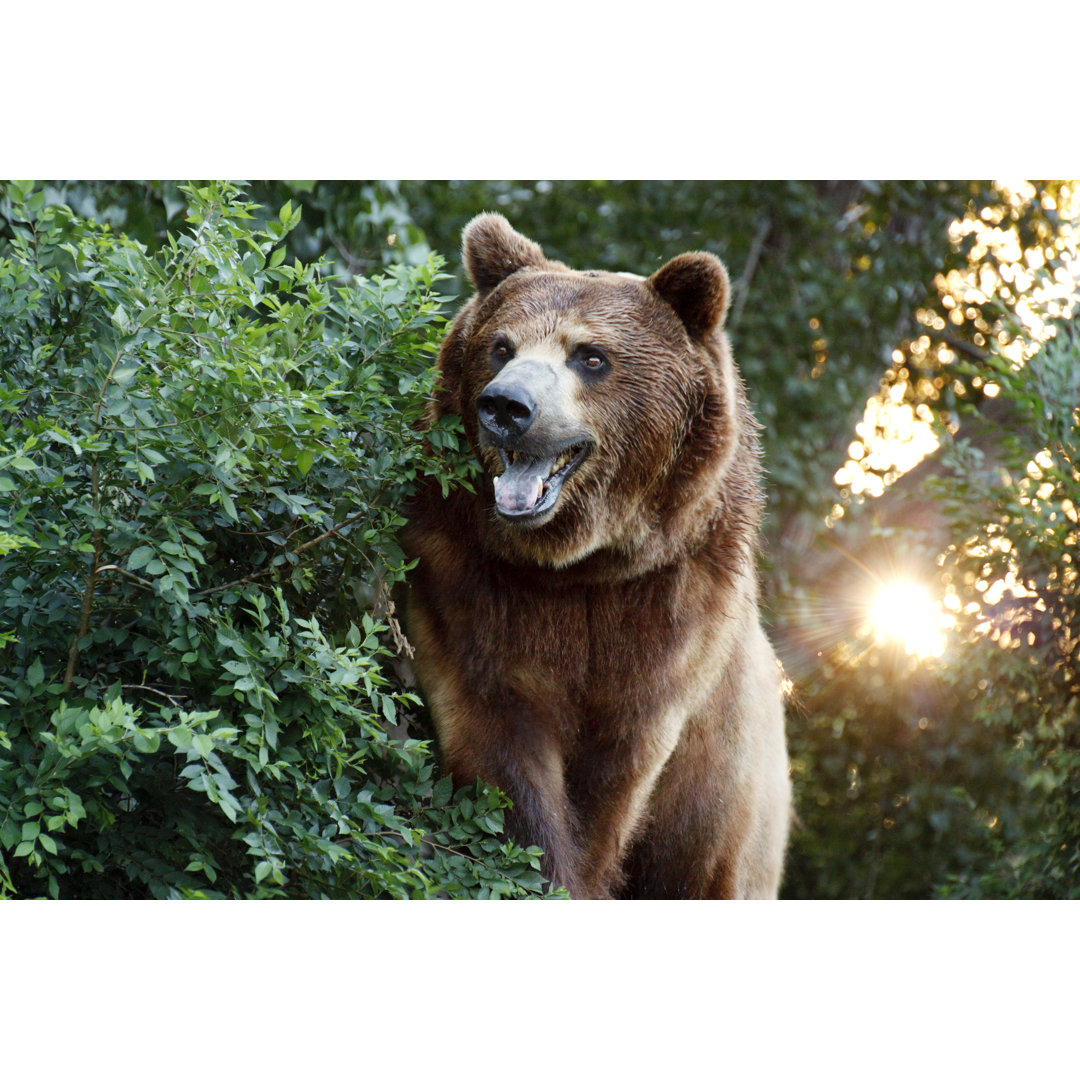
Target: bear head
604,408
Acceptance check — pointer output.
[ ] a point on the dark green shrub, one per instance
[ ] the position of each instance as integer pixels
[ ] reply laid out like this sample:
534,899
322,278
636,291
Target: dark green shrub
1013,568
204,450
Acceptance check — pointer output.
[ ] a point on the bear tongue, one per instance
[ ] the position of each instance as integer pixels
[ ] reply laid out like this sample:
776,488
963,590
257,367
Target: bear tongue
522,483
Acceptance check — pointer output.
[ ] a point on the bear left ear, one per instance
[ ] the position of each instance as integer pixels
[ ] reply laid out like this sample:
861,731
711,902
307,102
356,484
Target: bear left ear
493,251
696,286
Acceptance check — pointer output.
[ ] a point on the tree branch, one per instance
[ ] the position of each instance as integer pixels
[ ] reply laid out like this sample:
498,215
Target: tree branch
84,617
741,288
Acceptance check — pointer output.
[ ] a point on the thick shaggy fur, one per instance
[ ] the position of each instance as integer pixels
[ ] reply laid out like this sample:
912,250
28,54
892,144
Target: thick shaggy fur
603,661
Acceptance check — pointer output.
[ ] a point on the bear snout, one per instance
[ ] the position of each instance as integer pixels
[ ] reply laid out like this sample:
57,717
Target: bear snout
507,410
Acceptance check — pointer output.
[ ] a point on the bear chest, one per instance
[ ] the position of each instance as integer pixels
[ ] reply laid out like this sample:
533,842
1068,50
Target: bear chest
599,651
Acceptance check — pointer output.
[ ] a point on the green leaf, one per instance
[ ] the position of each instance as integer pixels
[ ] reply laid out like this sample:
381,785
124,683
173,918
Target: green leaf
35,673
304,460
442,791
530,879
203,745
147,742
140,557
180,737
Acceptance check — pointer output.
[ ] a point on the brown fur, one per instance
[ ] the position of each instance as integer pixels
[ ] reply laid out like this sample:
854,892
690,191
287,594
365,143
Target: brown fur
604,663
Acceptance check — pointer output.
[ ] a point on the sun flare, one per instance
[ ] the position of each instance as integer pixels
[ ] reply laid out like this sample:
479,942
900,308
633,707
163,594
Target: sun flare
906,613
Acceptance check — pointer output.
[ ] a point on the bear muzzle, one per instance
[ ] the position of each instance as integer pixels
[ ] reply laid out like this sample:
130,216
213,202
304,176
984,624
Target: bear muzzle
529,414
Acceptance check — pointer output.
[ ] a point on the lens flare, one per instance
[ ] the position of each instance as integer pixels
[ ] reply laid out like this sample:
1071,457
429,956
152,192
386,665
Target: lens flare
904,612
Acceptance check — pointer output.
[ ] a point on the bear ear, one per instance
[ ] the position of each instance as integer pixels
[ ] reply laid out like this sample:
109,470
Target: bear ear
696,286
492,251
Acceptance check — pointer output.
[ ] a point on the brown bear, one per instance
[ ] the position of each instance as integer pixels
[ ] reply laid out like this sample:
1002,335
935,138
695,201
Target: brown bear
586,624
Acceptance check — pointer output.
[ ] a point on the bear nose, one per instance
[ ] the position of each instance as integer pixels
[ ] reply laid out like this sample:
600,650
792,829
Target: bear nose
507,411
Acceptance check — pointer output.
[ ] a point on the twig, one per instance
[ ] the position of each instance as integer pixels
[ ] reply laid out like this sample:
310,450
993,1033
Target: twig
741,288
384,608
296,551
153,690
210,214
127,573
330,532
352,263
87,607
959,345
232,584
91,581
195,416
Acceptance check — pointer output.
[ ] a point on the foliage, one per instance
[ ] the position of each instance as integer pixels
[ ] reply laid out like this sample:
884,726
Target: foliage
965,759
205,450
1012,566
895,787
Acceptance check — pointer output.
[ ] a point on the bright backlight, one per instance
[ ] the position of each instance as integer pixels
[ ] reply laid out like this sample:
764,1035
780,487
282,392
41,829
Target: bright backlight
905,612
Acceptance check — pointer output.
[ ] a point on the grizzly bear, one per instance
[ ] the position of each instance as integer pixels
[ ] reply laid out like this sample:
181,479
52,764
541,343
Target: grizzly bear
586,623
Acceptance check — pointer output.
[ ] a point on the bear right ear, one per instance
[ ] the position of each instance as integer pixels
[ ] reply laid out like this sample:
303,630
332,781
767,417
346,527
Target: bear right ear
493,251
696,286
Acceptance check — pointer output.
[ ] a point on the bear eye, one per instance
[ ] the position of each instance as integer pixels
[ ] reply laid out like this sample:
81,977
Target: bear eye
501,350
590,359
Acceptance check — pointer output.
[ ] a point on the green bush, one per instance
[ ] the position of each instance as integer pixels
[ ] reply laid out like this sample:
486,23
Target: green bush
1013,567
204,451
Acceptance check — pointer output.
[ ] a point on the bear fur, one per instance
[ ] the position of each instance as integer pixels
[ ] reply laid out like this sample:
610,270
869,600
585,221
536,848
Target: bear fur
586,624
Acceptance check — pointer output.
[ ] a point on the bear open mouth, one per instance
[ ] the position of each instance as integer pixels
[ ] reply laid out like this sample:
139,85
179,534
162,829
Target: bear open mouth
530,486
